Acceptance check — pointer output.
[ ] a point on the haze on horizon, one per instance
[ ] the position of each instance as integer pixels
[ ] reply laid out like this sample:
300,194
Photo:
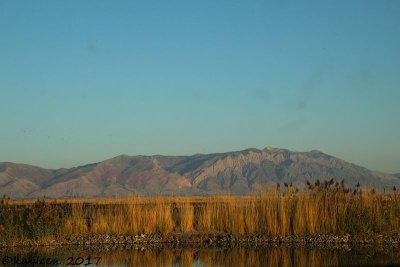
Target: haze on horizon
83,81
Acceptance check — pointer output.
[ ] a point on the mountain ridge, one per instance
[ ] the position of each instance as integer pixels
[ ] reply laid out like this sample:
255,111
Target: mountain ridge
236,172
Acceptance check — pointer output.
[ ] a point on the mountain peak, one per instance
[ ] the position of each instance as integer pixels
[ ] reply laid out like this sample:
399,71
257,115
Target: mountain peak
274,149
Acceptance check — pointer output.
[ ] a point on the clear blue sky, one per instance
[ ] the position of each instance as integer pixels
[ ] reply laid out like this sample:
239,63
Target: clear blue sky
83,81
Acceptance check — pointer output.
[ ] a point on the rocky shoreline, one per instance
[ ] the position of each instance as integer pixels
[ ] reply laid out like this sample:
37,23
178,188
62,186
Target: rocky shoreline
211,239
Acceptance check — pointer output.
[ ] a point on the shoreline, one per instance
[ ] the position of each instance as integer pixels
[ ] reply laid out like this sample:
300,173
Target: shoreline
210,240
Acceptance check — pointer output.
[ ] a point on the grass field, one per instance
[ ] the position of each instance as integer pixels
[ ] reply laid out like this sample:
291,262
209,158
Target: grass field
325,208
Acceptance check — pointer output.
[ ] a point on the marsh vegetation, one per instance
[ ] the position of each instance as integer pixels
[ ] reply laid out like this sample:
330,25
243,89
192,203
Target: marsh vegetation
325,208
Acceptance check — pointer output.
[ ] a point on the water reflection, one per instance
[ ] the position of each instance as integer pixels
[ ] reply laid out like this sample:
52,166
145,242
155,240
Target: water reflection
161,256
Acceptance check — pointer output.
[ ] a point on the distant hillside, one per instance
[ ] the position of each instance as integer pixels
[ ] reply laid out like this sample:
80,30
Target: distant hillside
397,175
240,172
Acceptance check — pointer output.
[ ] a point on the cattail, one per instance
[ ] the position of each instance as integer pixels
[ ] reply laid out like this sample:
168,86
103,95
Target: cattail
394,188
308,183
372,191
285,184
358,184
317,183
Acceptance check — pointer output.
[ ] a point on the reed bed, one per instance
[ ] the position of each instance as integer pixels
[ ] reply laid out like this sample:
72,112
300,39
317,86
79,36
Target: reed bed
323,208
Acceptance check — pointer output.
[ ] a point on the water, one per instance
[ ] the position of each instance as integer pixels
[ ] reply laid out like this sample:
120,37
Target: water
163,256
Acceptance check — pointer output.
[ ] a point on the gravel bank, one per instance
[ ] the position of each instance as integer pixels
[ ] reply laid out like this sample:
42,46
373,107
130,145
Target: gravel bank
211,239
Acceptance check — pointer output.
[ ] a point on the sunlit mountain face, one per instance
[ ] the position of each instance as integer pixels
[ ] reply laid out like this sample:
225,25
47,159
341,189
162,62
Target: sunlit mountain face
240,172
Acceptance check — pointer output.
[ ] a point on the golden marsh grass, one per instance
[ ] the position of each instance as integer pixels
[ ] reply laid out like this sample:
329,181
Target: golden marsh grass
321,210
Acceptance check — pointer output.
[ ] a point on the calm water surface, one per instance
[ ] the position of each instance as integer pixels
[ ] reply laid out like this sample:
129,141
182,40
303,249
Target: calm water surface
139,256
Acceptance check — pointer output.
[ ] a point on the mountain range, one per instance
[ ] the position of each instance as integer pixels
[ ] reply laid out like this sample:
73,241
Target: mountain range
239,172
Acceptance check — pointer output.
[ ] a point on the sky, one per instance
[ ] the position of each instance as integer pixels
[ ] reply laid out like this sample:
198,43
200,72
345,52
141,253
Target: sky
84,81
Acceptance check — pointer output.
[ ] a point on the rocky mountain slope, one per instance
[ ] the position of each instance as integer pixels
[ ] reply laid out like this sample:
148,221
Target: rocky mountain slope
240,172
